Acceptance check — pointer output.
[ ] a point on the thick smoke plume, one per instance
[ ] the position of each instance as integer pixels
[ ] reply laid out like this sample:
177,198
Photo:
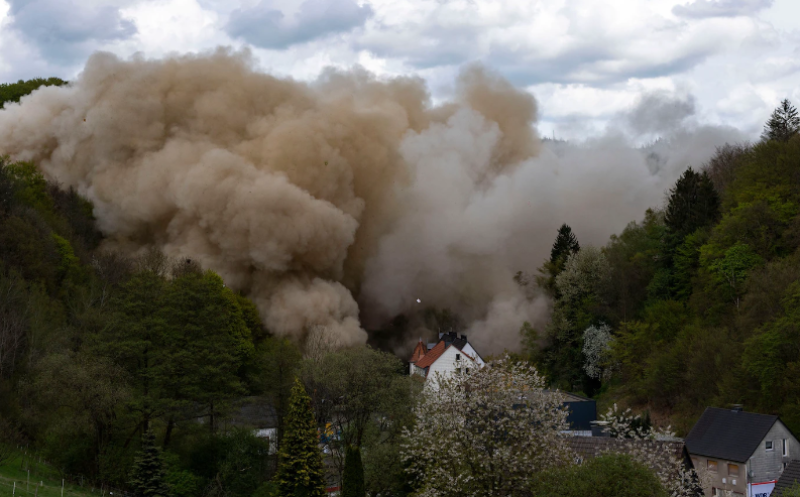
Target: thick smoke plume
313,197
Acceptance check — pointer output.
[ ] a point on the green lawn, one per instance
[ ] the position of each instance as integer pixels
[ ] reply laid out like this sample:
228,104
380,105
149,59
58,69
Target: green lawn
11,471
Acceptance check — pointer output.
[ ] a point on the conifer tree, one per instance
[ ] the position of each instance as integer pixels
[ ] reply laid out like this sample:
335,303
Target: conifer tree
566,243
353,478
693,203
147,474
300,471
783,124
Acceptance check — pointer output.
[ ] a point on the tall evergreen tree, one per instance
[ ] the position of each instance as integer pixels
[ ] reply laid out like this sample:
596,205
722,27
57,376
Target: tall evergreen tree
300,471
783,124
693,203
147,474
566,243
353,477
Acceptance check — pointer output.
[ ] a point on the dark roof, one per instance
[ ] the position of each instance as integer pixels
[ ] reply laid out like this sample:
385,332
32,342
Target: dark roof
728,434
789,477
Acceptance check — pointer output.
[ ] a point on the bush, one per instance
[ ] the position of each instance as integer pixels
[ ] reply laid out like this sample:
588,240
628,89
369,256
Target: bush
606,476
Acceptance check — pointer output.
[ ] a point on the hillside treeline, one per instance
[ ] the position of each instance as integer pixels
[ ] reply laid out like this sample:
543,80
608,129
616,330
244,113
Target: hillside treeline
695,304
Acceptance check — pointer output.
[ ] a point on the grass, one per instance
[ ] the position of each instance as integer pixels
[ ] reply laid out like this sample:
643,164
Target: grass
44,481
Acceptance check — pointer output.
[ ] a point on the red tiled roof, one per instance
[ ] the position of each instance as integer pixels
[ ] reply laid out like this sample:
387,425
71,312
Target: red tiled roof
419,352
432,355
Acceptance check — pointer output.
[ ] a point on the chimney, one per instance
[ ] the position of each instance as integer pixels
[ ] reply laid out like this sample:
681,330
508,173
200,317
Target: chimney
464,337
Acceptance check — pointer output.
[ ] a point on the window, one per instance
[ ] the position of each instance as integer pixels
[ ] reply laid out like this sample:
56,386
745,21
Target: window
768,445
785,448
458,357
711,465
733,469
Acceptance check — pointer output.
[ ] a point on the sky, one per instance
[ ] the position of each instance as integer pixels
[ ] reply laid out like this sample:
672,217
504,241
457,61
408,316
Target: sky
592,65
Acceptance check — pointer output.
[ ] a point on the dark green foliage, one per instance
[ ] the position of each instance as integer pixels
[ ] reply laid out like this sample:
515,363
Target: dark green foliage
605,476
693,204
12,92
353,476
566,243
147,473
300,471
783,124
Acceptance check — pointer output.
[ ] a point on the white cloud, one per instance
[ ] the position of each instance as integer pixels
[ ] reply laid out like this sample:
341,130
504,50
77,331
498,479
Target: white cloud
586,61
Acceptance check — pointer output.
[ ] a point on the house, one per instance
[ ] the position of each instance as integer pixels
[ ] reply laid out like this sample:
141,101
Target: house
789,478
451,354
582,413
740,452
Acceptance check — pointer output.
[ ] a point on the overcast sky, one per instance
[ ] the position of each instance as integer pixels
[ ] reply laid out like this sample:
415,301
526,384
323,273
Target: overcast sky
590,63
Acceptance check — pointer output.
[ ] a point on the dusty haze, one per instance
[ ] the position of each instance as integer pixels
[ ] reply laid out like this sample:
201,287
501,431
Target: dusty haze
315,198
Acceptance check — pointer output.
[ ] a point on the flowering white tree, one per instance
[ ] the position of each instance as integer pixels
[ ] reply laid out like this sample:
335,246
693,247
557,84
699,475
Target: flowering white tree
596,346
582,274
486,432
653,448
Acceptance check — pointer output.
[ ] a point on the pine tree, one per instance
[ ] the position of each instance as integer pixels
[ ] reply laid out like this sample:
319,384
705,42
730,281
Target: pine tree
566,243
693,203
300,471
353,478
783,124
147,474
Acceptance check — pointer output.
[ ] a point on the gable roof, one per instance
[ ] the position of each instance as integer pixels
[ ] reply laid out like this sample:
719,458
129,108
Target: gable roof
419,352
728,434
432,355
789,477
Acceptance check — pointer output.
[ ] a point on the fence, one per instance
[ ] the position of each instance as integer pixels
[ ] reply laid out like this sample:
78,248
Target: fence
30,475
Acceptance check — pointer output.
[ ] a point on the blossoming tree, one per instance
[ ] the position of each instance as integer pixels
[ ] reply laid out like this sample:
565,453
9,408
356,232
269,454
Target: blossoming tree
486,432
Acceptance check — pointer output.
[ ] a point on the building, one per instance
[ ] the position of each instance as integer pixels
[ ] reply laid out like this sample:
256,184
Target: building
451,354
582,414
740,452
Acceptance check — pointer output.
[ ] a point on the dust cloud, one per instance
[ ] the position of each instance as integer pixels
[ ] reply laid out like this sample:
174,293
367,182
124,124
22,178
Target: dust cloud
338,203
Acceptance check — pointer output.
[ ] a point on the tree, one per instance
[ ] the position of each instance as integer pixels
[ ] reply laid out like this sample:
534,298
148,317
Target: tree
300,471
693,203
596,347
565,245
485,432
12,92
353,478
147,474
783,124
579,288
348,388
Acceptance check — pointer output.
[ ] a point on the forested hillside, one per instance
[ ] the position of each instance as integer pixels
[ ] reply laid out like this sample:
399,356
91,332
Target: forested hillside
109,360
695,304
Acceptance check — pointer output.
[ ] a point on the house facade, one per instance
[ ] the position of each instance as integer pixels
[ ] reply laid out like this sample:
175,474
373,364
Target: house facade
740,452
451,354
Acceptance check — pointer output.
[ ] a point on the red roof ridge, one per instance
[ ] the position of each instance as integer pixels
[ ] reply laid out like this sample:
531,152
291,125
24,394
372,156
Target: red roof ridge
432,355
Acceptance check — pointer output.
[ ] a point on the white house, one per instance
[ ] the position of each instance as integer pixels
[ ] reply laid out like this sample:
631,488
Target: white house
451,354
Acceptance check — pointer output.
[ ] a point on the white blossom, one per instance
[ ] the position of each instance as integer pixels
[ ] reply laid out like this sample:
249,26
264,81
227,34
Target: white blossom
582,273
486,432
596,346
652,448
